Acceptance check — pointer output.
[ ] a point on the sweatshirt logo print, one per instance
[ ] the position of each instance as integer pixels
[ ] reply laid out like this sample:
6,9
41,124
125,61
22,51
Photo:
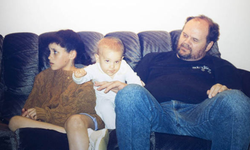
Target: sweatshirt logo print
203,68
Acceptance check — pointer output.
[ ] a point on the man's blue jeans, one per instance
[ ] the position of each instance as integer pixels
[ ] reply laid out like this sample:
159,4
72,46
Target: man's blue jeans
224,119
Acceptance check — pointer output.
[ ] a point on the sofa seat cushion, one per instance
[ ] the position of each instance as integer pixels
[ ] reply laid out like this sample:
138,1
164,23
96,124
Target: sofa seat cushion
41,139
172,142
35,138
7,138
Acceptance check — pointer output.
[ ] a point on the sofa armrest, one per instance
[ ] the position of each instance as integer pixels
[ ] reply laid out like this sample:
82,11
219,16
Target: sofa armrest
41,139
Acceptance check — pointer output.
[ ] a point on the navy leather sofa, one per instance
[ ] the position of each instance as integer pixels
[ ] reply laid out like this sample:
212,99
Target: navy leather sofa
24,55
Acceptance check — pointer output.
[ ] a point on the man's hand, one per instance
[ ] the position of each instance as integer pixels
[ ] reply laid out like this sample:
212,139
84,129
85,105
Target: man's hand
215,89
114,86
79,73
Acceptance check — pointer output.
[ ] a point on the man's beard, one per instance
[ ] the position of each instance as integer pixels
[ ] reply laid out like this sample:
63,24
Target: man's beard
189,56
184,56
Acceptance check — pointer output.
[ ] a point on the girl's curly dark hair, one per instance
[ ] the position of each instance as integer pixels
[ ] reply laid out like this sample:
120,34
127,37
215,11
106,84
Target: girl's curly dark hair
70,40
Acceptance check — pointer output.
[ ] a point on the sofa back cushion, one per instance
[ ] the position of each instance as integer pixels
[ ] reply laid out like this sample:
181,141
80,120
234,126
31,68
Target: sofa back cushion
154,41
20,66
90,40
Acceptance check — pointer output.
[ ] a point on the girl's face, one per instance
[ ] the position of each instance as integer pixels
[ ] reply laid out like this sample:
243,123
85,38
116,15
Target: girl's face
59,58
110,61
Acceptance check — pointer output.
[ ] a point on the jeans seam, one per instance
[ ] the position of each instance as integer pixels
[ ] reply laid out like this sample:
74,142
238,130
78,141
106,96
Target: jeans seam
176,114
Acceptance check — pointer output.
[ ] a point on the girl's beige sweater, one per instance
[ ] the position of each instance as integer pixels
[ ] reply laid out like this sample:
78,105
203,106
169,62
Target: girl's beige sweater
56,97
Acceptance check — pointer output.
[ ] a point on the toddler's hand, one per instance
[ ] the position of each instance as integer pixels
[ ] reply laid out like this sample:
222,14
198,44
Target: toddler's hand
79,73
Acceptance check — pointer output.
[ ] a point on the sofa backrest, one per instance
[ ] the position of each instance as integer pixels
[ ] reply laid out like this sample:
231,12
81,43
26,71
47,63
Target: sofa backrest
26,54
1,51
19,66
1,77
154,41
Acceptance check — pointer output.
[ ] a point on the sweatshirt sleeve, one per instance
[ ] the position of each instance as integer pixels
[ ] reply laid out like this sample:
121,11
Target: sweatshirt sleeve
227,74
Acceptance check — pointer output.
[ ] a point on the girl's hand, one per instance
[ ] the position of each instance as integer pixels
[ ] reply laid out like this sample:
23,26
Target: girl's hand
24,112
30,113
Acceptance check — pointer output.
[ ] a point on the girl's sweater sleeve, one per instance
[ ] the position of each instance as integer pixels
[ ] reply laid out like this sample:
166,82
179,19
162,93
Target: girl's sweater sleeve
35,95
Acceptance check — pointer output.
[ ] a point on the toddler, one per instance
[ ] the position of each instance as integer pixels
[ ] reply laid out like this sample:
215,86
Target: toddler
109,66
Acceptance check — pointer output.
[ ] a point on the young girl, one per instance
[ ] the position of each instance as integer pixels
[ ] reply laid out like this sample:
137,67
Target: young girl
55,97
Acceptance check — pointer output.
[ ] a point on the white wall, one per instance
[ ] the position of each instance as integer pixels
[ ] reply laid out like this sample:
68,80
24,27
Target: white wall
105,16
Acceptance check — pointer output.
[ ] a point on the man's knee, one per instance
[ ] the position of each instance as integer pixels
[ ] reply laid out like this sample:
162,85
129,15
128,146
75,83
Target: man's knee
235,101
128,94
233,92
235,97
130,88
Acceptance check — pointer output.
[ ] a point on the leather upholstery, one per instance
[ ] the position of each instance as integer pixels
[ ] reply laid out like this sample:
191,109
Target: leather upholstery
24,55
90,40
19,66
1,76
154,41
